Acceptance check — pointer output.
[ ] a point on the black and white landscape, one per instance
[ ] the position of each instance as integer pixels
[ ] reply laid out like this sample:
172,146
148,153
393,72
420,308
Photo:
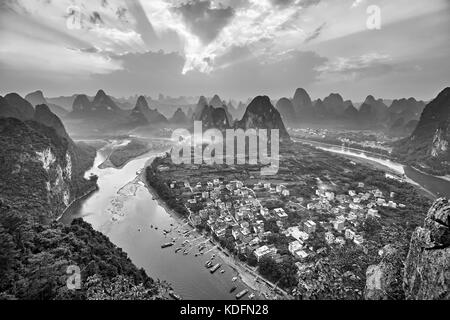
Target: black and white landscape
93,205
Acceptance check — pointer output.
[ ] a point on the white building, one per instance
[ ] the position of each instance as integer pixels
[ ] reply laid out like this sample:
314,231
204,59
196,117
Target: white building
301,254
309,226
373,213
339,223
295,246
279,212
264,251
349,234
297,234
329,195
358,239
329,237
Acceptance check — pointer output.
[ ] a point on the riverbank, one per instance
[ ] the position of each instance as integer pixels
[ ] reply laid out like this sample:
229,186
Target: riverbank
125,152
250,279
388,166
85,195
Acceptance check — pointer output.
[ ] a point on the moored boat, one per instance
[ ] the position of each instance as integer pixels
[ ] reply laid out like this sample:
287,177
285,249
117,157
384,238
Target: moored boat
241,294
165,245
214,269
174,295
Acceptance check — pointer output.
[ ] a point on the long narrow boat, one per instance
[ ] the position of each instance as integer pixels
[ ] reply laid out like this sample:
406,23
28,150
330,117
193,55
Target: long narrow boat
174,295
241,294
214,269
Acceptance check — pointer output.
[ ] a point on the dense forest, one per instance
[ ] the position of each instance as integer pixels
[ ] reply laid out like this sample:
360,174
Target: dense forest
41,173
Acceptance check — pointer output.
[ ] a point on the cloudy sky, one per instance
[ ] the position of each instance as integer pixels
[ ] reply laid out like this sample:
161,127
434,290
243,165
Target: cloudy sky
236,48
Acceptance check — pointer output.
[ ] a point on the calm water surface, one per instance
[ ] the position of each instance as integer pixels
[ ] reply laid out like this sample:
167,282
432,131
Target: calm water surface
124,210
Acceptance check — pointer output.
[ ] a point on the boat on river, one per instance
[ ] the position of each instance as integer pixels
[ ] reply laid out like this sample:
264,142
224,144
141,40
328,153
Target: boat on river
233,289
166,245
241,294
214,269
174,295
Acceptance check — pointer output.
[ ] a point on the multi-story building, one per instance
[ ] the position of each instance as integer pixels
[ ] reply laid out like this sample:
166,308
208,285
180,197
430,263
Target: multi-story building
309,226
264,251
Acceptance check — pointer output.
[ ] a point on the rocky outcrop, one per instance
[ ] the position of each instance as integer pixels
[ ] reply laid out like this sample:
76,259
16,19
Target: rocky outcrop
351,113
407,109
104,102
427,266
214,118
37,98
383,280
261,114
286,109
46,117
24,107
302,104
334,104
216,102
428,144
8,111
201,104
379,109
142,114
82,104
40,165
179,117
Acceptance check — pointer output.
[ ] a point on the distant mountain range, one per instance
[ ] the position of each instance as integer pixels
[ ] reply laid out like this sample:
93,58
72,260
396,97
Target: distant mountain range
42,173
260,113
37,98
333,110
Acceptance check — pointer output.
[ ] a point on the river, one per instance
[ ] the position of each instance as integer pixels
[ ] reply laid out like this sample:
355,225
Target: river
436,186
124,210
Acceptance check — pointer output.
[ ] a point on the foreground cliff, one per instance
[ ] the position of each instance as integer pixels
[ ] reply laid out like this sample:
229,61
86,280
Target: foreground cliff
42,172
421,273
428,145
427,266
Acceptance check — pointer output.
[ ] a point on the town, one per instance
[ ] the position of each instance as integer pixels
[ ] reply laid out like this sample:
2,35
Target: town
295,218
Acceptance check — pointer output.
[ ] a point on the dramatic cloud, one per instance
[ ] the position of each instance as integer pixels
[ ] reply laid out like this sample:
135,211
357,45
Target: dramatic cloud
371,64
204,20
237,47
155,72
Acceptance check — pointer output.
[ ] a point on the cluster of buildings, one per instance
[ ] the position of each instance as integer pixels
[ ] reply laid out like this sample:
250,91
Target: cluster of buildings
233,212
377,139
